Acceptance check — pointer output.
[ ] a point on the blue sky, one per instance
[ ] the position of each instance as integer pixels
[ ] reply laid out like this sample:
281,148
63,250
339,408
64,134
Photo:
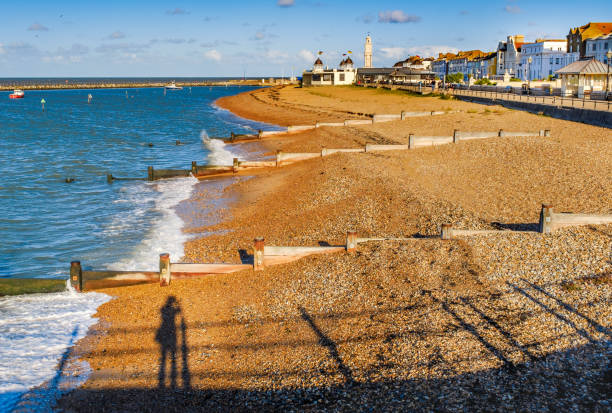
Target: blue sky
261,38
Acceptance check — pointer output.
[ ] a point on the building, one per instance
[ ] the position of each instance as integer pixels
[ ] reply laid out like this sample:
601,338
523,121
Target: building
482,66
367,52
585,77
440,65
462,61
578,36
396,75
547,56
415,62
320,76
509,55
598,47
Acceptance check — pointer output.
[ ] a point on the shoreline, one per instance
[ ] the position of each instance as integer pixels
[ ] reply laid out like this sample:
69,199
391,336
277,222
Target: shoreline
260,334
94,86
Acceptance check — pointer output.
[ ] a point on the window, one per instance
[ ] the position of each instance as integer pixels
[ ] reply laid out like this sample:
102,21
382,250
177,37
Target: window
594,46
342,77
316,78
557,60
326,78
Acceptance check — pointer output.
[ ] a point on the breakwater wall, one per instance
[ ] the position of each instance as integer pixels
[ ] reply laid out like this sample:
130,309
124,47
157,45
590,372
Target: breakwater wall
583,115
9,86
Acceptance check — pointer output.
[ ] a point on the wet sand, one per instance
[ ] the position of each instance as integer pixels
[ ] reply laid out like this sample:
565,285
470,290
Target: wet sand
509,322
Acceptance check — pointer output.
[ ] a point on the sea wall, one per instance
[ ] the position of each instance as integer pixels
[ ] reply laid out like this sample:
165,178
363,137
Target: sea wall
588,116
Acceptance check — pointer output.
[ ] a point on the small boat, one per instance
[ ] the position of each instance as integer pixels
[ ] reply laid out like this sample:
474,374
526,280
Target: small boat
173,86
17,94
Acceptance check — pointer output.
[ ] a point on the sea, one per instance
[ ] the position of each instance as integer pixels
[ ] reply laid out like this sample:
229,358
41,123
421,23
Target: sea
46,222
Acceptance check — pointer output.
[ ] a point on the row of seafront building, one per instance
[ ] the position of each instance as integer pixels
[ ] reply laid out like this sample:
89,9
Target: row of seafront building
514,60
530,61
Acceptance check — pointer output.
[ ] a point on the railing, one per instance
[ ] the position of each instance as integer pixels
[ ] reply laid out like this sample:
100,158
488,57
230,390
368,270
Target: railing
557,101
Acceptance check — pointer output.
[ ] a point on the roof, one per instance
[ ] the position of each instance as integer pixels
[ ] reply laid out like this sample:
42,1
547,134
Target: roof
469,55
318,61
589,66
590,30
389,70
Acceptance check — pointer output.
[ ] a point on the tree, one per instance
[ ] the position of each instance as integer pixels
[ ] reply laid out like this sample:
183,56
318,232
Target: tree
454,78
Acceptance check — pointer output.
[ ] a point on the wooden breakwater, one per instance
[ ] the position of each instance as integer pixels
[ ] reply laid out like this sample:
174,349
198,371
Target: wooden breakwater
264,256
285,158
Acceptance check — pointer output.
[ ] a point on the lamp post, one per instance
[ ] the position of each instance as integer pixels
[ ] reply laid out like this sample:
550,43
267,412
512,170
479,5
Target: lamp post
609,56
529,74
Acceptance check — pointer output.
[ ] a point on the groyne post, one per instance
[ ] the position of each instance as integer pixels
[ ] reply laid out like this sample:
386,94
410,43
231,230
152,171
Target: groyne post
351,241
455,136
194,167
547,133
76,276
258,253
109,178
150,173
447,231
232,136
411,141
259,134
546,219
278,157
500,133
164,269
235,165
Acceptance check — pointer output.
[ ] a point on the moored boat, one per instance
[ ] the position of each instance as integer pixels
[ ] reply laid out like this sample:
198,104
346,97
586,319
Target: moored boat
173,86
17,94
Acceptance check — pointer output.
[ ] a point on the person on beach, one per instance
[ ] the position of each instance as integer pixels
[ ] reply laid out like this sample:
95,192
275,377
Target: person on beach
166,337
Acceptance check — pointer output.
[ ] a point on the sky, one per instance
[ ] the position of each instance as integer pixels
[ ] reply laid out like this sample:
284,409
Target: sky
61,38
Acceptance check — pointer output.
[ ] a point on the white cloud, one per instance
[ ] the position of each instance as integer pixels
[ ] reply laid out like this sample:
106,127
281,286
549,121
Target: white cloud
306,55
393,52
397,16
213,55
512,9
431,50
37,27
177,11
285,3
116,35
274,56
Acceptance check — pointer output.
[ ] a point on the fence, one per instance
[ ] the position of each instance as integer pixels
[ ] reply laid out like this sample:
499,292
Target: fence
556,101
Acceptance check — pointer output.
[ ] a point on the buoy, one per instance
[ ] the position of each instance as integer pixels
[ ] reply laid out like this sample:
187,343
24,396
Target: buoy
178,142
126,95
89,98
42,102
150,144
69,180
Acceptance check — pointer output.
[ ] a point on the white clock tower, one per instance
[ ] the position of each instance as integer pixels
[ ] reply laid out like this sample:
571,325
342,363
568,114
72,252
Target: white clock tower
367,54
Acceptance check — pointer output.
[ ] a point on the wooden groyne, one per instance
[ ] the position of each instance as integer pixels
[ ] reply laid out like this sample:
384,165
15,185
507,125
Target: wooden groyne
264,256
285,158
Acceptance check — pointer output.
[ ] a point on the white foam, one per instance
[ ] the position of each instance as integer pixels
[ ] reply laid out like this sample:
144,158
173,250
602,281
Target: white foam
218,153
166,231
35,332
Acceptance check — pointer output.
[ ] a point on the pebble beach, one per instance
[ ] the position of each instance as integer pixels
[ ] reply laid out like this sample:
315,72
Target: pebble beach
511,321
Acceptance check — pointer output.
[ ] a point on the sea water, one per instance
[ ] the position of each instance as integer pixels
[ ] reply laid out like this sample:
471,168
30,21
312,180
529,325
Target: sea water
46,223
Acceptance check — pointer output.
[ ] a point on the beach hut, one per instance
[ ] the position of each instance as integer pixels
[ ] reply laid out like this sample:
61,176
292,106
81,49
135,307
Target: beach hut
584,77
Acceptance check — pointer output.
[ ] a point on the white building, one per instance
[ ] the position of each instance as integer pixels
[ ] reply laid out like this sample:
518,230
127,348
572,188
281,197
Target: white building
509,55
598,47
319,76
547,56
